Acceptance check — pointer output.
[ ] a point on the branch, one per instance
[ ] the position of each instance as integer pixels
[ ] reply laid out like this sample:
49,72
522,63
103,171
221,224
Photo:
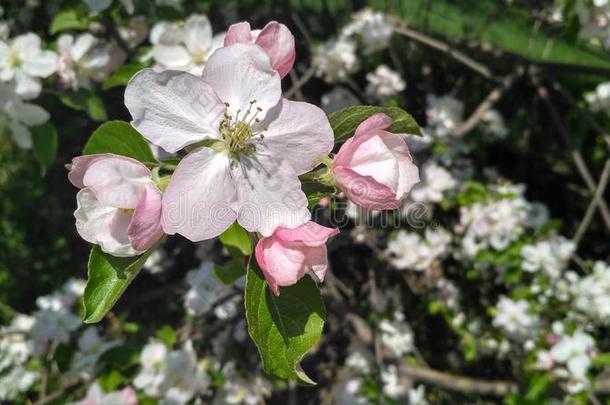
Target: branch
309,73
595,201
489,101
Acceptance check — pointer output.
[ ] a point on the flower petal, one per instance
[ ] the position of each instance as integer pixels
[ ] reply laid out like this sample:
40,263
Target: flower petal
80,164
145,228
43,64
302,142
103,225
198,203
31,114
239,33
240,74
197,33
171,56
278,42
374,122
173,109
310,234
280,265
270,194
117,181
365,190
26,86
20,134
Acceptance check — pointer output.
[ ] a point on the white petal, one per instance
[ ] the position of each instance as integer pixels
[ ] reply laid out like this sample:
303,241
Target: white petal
43,64
26,86
240,74
21,135
300,134
31,114
83,44
199,200
171,56
269,193
27,44
173,109
198,33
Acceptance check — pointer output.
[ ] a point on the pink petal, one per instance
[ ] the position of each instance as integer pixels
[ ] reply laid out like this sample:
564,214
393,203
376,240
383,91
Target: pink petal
145,227
173,109
365,191
241,74
372,123
281,266
117,181
238,33
310,234
300,133
277,40
199,200
129,396
80,164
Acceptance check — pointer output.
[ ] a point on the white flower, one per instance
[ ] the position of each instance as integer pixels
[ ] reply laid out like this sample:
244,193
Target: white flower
347,391
493,124
396,335
574,352
206,291
514,319
175,376
82,59
359,360
90,347
337,99
52,325
335,59
393,386
594,21
23,63
599,100
417,396
19,116
14,346
443,114
100,5
436,180
411,251
592,293
135,32
184,47
550,256
237,390
371,28
384,82
95,396
16,381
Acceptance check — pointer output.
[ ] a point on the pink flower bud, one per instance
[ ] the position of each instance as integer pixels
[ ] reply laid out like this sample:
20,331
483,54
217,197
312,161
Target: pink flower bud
119,205
276,40
374,168
289,254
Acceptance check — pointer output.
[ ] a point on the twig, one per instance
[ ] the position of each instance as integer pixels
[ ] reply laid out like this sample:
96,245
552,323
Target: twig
402,29
489,101
309,73
595,201
579,161
459,383
298,94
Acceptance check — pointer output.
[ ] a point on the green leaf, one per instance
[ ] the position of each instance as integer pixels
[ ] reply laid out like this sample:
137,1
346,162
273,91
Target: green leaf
237,237
167,335
229,273
68,20
120,138
84,100
122,75
44,139
345,122
286,327
108,277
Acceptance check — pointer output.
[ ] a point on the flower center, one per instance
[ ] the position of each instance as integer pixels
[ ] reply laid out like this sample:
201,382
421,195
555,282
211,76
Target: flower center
126,211
237,132
13,58
198,57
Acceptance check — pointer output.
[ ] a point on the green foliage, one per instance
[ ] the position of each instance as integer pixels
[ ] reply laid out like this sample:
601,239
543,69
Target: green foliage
230,272
236,237
66,20
122,75
286,327
108,277
345,122
120,138
167,335
84,100
44,139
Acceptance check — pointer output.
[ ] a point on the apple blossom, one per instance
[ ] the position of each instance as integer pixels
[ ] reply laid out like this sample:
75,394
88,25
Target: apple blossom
184,47
23,64
18,116
384,82
374,168
276,40
119,205
82,59
289,254
335,59
247,144
95,396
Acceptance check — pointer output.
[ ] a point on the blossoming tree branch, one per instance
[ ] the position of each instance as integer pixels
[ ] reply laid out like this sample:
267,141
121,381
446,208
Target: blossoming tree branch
239,157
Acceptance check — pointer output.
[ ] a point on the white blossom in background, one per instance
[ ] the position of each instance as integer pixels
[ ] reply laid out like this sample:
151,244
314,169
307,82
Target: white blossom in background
82,59
337,99
17,116
396,335
574,352
23,64
392,385
5,30
493,124
410,250
14,346
599,99
384,82
96,396
417,396
436,181
346,391
247,391
100,5
515,319
550,256
135,32
185,46
206,290
372,28
15,382
443,114
173,376
594,19
335,60
90,347
359,360
592,293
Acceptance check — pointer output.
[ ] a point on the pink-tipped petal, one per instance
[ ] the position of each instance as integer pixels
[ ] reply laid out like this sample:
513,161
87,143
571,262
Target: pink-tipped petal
80,164
310,234
145,228
239,33
364,191
278,42
283,266
372,123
